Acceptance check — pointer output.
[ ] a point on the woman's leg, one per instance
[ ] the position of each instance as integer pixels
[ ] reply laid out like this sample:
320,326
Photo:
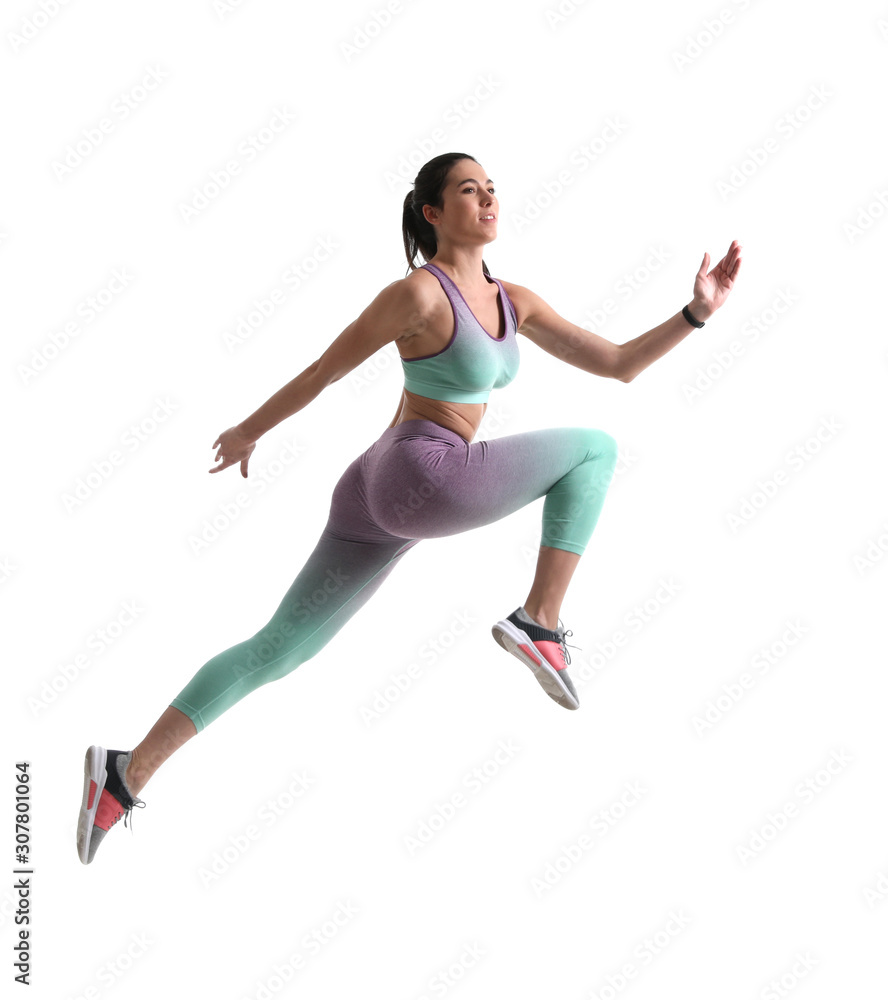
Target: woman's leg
418,481
165,737
339,577
433,483
349,563
430,483
554,570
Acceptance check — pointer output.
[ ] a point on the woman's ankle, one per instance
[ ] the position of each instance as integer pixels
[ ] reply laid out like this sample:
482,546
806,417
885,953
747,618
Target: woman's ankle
542,617
136,776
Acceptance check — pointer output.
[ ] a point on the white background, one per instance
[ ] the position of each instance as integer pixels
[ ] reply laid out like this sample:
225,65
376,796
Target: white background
698,98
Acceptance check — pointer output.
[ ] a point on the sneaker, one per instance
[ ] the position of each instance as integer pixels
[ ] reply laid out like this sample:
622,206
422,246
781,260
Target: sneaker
105,798
543,650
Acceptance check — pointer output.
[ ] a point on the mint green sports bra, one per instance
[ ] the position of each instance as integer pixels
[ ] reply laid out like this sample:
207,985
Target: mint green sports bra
473,362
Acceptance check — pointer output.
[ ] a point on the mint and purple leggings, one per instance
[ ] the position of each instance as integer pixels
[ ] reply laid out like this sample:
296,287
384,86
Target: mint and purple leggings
418,480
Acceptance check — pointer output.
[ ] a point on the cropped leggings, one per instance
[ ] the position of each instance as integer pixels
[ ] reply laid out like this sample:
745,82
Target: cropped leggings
418,480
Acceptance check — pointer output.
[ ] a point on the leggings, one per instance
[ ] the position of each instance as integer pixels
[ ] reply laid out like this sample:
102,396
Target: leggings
418,480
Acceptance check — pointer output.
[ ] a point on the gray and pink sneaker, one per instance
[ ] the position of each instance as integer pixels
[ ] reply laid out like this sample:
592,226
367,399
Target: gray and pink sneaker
543,650
105,798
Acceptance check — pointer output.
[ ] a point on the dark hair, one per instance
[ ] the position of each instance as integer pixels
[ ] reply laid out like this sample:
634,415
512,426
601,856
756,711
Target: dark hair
419,233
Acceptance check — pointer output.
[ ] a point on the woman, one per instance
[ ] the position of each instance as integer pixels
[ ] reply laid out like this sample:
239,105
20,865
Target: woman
455,328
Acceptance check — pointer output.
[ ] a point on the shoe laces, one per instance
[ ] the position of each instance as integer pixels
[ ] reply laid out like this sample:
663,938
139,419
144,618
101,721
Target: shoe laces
126,812
563,644
137,803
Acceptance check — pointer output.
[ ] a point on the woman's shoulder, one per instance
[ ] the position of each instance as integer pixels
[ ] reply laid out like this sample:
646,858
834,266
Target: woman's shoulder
418,294
419,282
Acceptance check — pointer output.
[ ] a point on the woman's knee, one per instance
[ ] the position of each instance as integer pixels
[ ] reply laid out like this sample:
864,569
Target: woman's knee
269,654
602,446
600,464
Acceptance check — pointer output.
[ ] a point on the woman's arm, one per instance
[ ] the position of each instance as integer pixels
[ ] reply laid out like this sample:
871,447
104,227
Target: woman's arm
586,350
710,292
290,399
637,354
399,310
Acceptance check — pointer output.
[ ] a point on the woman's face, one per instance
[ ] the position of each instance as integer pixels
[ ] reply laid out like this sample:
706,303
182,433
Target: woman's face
469,199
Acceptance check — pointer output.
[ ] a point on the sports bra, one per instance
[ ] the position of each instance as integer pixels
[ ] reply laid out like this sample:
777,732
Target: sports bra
472,362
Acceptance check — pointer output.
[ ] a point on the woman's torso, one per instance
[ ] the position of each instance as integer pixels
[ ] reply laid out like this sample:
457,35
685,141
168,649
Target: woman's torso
462,418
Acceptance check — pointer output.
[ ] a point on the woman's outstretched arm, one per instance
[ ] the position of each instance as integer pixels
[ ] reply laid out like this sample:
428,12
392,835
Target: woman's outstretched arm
710,291
398,310
592,353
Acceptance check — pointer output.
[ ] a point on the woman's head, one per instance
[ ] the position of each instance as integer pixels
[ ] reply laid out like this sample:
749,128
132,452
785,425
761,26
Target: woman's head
441,184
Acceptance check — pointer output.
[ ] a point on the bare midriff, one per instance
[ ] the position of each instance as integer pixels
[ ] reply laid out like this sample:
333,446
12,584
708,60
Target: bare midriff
461,418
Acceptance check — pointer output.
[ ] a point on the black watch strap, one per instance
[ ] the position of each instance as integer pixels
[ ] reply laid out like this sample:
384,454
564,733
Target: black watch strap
687,315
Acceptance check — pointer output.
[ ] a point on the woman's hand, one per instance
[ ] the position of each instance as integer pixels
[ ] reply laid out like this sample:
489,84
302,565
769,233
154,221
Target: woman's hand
234,446
711,290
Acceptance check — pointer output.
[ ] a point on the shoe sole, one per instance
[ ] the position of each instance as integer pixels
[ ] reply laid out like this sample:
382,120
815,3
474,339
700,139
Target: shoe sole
512,639
94,774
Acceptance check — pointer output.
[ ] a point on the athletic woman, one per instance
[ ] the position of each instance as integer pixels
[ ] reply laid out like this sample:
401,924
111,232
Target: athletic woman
456,329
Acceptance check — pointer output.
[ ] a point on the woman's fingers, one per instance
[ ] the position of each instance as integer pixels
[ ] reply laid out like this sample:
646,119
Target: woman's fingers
231,449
